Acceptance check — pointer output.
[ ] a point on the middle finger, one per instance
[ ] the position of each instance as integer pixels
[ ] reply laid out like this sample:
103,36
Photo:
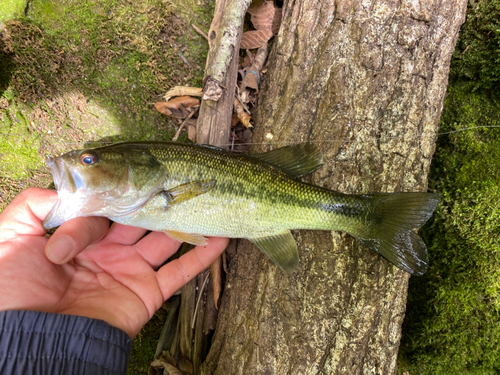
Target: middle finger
156,248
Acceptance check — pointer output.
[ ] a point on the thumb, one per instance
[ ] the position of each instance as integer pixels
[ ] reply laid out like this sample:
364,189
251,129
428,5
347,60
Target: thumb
74,236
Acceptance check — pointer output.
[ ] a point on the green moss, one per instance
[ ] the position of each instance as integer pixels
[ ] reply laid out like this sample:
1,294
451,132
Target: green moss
18,144
476,60
12,9
453,316
144,344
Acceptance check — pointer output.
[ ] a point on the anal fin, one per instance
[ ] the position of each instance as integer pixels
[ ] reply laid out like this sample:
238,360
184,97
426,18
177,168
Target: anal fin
282,249
193,239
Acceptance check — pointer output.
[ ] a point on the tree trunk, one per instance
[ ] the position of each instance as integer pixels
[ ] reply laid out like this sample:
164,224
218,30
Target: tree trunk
366,82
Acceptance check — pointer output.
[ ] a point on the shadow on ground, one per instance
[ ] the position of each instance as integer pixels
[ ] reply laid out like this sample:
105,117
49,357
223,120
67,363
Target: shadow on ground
81,72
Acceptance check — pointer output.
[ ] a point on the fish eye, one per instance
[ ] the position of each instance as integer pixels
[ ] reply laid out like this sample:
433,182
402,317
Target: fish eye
88,159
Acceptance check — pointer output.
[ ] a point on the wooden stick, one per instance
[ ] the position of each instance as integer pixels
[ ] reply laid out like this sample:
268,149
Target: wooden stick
183,123
214,121
200,31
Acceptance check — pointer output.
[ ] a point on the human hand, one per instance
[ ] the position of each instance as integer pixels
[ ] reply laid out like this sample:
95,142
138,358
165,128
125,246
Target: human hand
88,268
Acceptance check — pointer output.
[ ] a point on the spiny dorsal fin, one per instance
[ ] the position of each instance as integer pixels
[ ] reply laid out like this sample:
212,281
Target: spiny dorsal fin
282,250
297,160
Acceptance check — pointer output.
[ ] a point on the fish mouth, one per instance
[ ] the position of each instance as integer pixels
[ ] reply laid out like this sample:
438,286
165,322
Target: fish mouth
70,197
55,169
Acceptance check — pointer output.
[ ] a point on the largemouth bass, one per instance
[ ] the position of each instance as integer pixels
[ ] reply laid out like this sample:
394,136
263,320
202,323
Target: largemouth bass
191,191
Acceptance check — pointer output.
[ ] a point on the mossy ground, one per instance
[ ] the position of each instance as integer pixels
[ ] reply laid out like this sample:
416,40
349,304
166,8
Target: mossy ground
74,73
12,8
452,325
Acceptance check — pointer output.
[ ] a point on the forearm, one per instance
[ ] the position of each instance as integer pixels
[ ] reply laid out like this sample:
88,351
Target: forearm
43,343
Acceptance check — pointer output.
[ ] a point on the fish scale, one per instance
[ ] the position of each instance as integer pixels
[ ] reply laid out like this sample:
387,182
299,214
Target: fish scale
190,191
268,200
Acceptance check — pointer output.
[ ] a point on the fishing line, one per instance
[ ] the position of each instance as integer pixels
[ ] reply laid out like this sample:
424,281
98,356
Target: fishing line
331,141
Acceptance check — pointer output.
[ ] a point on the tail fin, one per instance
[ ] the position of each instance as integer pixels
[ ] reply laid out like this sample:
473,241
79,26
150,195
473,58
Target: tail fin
393,221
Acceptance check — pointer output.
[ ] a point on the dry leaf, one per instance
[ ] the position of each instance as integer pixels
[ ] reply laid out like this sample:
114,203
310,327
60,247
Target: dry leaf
186,101
255,38
183,90
245,119
242,115
162,108
177,107
216,274
262,16
166,362
251,80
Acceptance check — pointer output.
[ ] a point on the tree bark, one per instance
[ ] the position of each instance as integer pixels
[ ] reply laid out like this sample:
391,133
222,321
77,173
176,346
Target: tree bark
366,82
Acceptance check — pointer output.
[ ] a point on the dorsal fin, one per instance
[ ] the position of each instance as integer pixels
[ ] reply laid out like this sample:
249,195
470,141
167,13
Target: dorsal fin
297,160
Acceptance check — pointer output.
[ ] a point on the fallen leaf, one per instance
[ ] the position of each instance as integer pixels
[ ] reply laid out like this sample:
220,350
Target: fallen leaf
262,15
255,38
165,362
186,101
242,115
185,366
216,274
162,108
177,107
251,80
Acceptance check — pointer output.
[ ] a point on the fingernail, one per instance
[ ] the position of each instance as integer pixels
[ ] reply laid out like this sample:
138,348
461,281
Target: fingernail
60,249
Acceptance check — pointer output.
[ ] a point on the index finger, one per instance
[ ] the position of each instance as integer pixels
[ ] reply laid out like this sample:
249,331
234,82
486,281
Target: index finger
177,273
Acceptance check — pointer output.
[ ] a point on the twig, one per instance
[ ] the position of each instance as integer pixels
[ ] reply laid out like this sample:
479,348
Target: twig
184,59
200,31
250,56
183,123
200,293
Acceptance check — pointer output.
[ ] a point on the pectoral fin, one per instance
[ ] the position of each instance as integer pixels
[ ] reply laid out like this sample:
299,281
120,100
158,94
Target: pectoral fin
193,239
187,191
282,250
